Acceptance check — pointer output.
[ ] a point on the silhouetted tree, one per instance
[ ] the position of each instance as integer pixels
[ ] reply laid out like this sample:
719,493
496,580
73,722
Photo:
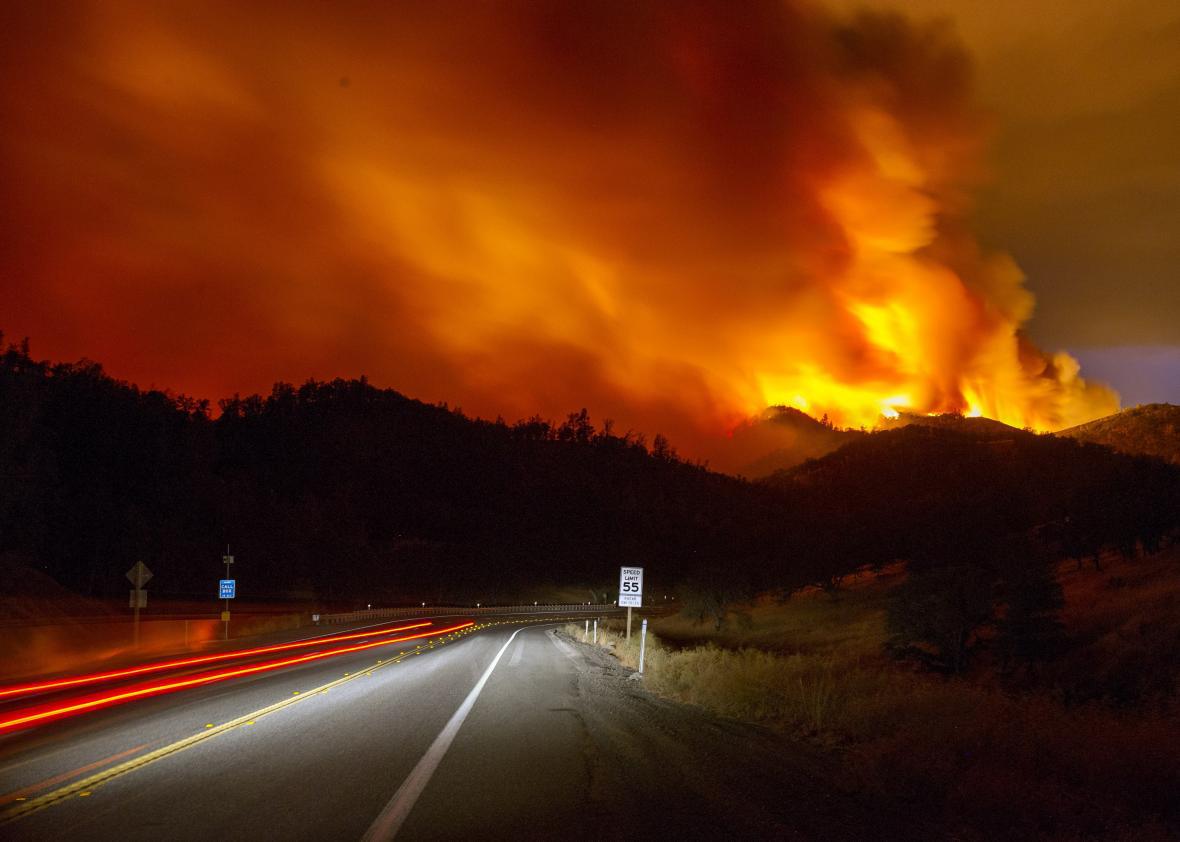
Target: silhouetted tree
1031,627
349,489
709,595
937,613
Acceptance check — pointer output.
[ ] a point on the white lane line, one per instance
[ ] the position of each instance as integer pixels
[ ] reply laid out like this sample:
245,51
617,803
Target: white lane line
387,824
517,653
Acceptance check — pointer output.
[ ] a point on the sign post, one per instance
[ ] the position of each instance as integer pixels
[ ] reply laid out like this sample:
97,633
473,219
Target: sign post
138,576
630,591
642,645
227,589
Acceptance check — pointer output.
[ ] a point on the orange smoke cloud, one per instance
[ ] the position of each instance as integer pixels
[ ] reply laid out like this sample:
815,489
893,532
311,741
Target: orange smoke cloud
674,214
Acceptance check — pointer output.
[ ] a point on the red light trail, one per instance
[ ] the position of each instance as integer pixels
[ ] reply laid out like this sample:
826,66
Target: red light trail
37,715
74,681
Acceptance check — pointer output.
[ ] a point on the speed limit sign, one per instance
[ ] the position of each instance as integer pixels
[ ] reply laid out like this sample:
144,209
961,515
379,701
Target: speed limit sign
631,587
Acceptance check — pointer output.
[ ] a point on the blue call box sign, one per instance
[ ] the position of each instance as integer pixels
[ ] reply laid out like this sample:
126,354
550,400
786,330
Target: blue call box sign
228,587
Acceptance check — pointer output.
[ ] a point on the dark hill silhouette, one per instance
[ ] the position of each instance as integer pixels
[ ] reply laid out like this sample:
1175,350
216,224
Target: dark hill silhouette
975,426
781,437
350,492
345,490
1149,430
944,494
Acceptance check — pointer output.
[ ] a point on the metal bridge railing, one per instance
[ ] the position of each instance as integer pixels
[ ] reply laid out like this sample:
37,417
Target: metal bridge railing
465,611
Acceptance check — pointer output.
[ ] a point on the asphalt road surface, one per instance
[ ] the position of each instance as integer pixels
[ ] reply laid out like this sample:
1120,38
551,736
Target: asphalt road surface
505,731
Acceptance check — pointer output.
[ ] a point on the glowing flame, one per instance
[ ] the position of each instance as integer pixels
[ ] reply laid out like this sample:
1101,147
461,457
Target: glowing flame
875,301
676,215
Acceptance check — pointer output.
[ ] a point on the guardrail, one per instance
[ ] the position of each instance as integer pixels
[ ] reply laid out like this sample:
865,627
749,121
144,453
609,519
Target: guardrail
465,611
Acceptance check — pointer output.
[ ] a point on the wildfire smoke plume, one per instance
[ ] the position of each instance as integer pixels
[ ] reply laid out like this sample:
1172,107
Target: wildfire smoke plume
676,214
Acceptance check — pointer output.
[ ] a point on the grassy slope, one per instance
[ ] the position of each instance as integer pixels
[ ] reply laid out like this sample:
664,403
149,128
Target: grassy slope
810,622
1124,622
1088,749
1149,430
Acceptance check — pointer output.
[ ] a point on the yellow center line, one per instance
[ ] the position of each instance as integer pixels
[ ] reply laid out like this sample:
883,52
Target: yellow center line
84,786
23,794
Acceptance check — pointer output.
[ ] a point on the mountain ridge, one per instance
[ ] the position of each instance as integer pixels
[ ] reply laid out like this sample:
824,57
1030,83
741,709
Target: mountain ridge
1146,430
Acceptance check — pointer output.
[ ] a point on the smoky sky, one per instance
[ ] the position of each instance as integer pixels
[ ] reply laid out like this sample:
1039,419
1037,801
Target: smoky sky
670,213
1084,189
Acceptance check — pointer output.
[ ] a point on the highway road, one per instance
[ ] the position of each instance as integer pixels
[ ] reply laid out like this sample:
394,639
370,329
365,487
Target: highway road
502,730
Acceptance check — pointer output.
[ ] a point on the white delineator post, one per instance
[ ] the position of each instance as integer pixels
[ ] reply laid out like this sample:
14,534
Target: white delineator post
595,631
586,632
642,645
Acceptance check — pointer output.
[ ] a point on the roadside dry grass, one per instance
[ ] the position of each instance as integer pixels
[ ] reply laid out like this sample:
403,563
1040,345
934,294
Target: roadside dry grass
810,622
810,692
982,760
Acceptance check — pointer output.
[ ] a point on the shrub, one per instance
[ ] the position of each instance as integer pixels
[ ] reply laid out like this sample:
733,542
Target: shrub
937,613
